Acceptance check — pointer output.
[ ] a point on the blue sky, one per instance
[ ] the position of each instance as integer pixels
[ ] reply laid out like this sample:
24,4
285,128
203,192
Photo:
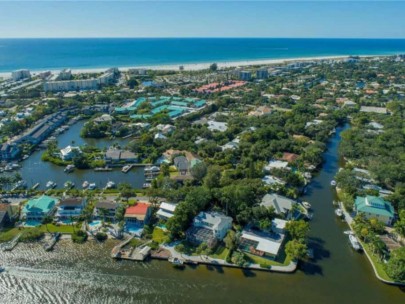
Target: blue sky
366,19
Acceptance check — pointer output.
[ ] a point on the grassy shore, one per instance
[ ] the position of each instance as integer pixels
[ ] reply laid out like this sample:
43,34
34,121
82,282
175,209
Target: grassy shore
266,262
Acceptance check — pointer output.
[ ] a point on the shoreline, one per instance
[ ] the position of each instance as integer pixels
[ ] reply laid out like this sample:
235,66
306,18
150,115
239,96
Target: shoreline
202,65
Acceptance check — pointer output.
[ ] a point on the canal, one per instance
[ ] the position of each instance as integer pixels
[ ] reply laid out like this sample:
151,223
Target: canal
86,273
36,171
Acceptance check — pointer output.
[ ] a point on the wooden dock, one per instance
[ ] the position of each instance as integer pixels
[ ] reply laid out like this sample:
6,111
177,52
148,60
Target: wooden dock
9,246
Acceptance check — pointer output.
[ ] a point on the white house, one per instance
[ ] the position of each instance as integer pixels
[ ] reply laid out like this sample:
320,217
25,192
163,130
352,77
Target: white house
276,164
209,227
166,210
69,152
70,207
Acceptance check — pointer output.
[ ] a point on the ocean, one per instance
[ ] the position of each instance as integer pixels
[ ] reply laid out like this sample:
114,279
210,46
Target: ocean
42,54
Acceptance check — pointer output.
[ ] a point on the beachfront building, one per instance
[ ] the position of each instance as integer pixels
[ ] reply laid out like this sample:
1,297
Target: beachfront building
264,243
36,209
281,204
69,153
166,211
138,214
70,208
20,74
375,207
106,78
245,75
262,74
105,210
209,228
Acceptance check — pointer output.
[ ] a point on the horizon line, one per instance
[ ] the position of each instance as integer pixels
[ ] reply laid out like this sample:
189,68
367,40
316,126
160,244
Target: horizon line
203,37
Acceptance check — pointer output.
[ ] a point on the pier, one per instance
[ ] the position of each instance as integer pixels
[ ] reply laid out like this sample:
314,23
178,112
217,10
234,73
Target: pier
9,246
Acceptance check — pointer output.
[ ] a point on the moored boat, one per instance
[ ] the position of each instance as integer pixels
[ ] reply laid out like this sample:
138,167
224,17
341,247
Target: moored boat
69,185
333,183
354,242
306,205
110,185
339,212
50,184
69,168
176,261
92,186
85,184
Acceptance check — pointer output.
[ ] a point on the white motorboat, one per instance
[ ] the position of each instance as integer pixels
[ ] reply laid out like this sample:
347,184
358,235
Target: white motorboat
152,169
176,261
85,184
339,212
110,185
333,183
20,185
92,186
69,168
69,185
306,205
354,242
50,185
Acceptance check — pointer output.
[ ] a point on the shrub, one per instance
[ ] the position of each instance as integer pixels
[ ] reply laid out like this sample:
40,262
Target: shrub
79,236
101,236
31,235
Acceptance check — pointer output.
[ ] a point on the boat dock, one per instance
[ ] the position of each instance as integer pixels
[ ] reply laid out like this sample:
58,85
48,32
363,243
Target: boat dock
127,168
9,246
135,254
103,169
55,238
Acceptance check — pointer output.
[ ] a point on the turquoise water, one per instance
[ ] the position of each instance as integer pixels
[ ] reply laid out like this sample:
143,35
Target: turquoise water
39,54
95,223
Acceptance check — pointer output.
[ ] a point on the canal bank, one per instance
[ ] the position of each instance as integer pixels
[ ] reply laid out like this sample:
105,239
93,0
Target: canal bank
86,273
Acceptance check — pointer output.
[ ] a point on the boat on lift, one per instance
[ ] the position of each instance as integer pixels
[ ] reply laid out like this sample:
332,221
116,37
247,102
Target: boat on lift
50,185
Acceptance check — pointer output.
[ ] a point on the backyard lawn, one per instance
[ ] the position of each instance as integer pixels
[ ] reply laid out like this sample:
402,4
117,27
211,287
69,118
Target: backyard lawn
8,234
220,253
159,236
266,262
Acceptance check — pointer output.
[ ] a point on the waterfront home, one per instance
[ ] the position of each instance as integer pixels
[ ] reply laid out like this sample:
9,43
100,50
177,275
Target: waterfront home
138,214
375,207
281,204
105,118
181,164
276,164
69,152
209,227
114,155
262,243
36,209
5,215
166,210
70,207
105,210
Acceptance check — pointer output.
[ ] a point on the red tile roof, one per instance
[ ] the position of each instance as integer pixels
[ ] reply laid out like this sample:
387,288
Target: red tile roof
138,209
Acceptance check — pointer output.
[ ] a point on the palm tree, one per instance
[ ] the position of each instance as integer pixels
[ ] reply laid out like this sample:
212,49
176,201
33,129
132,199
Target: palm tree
47,220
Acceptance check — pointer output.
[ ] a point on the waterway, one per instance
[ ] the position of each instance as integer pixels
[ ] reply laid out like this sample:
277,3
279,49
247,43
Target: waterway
34,170
86,273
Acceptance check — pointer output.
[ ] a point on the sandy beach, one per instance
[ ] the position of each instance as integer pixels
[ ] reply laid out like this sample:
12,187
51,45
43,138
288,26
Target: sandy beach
199,66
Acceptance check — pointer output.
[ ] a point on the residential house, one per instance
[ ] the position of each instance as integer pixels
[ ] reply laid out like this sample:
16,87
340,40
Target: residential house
166,210
114,155
9,151
281,204
273,180
181,164
217,126
262,243
276,164
209,227
70,207
375,207
289,157
106,210
36,209
69,152
138,214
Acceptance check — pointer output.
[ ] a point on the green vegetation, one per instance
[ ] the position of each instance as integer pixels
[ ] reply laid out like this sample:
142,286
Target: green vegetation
31,235
79,236
267,263
160,236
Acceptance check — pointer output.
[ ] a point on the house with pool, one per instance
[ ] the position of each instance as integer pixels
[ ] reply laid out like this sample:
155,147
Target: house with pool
105,210
137,216
37,209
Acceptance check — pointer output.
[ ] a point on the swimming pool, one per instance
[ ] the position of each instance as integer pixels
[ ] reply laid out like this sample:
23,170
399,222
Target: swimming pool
94,223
